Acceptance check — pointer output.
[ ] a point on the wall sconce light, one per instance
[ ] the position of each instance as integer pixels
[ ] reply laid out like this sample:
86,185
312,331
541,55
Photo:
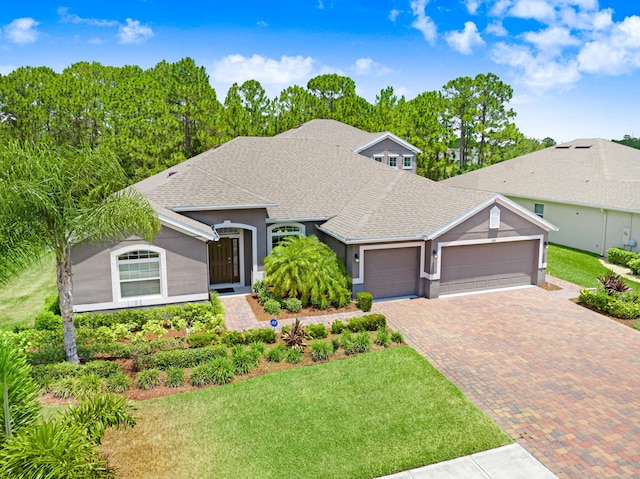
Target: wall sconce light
356,258
435,254
546,244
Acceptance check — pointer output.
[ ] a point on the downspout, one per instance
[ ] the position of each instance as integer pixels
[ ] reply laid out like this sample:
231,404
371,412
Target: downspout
604,233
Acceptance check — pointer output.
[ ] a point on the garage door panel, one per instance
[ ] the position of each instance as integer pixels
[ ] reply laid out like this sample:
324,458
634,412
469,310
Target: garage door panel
392,272
488,266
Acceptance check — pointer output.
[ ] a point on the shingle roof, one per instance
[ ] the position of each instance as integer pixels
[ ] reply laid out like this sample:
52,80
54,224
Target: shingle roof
589,171
295,178
332,132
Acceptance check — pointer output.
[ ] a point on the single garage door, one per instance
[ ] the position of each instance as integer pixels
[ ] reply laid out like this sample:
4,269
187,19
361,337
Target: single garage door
488,266
392,272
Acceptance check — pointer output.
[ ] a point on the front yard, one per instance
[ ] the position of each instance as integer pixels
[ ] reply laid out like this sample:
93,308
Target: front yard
362,417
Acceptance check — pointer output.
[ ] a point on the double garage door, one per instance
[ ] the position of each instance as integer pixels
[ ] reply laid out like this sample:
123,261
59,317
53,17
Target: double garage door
396,271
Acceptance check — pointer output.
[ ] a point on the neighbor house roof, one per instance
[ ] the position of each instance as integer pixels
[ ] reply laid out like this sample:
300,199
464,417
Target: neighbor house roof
591,171
296,178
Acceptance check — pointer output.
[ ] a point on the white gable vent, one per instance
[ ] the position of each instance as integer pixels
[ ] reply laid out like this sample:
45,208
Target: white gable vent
494,218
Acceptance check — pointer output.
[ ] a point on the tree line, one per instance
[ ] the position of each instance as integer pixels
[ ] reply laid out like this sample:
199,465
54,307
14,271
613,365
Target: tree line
153,119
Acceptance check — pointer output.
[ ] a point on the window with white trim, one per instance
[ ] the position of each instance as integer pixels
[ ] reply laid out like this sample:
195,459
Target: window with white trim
494,218
538,209
279,232
139,274
378,158
393,161
407,162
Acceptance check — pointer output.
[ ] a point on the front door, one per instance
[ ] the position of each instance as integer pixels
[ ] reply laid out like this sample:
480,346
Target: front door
224,261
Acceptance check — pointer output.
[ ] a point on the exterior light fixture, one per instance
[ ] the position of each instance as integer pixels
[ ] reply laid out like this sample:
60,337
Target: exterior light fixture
435,254
356,258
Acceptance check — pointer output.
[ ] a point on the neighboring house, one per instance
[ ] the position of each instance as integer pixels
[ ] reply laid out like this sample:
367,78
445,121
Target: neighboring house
589,188
398,234
454,155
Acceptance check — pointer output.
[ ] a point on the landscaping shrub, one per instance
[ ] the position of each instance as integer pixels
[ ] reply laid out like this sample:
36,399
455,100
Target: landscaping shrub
362,342
337,327
243,360
231,338
613,283
184,358
154,327
117,383
296,336
383,338
64,387
200,376
321,350
52,304
636,326
221,370
46,355
174,377
621,256
148,379
320,302
276,353
346,341
364,300
272,307
634,265
200,340
87,385
47,373
257,348
317,331
265,335
292,304
49,321
612,305
335,342
293,356
104,369
397,337
370,322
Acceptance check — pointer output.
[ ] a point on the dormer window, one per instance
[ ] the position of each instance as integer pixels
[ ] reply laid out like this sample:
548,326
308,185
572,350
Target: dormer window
393,161
378,158
407,162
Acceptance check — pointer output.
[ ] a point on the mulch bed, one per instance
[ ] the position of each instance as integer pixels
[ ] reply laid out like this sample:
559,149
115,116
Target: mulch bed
261,315
549,287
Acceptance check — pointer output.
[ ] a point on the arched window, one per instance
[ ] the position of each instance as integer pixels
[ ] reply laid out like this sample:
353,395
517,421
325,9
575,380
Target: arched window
139,271
278,232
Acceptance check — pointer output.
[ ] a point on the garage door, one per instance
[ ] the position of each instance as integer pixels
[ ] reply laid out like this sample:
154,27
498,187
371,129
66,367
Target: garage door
488,266
392,272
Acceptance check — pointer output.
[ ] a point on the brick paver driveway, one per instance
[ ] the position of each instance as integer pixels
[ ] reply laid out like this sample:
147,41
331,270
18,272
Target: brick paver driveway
563,381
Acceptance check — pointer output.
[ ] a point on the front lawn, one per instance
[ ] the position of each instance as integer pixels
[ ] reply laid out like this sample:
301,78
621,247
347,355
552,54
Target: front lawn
577,266
363,417
23,297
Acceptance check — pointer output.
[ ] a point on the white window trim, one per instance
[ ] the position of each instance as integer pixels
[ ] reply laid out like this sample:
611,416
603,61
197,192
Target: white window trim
393,157
115,272
494,218
278,225
410,158
379,158
240,236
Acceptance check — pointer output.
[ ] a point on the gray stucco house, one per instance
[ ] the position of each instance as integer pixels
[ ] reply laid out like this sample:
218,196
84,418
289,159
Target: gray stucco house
398,233
588,187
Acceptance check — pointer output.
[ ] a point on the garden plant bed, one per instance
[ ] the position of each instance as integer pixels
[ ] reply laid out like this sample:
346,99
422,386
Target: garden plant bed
262,315
370,415
627,322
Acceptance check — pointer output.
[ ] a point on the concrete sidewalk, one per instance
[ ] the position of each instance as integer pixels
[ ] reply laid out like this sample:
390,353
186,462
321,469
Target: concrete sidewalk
506,462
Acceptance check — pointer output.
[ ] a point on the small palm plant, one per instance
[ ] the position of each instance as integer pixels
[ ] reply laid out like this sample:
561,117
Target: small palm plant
296,336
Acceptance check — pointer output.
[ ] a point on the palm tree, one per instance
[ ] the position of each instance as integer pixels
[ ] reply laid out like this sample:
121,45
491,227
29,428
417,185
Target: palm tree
52,197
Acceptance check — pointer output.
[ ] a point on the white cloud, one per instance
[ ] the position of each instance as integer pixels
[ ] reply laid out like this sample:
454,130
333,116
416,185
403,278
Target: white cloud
618,53
465,40
500,7
320,5
262,24
393,14
365,66
22,30
496,28
237,69
66,17
551,40
472,6
540,10
134,32
422,22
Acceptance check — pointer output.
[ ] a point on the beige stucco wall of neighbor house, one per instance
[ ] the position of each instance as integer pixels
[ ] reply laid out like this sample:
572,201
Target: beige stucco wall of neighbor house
186,264
389,147
589,229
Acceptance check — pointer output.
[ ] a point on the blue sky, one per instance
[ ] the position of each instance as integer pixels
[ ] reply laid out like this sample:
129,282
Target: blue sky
574,64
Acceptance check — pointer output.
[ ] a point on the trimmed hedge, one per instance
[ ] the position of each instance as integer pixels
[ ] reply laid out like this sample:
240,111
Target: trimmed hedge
610,304
621,256
370,322
634,265
183,358
364,300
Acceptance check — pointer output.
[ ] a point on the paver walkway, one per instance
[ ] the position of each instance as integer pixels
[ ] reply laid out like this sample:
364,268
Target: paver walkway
563,381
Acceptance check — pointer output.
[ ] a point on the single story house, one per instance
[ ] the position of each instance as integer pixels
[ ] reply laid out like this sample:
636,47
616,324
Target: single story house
589,188
398,234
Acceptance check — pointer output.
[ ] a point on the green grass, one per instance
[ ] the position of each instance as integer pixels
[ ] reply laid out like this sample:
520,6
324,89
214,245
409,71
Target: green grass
362,417
577,266
23,297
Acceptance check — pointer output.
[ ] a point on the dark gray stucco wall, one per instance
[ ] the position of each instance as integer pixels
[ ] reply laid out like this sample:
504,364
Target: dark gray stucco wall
389,147
186,266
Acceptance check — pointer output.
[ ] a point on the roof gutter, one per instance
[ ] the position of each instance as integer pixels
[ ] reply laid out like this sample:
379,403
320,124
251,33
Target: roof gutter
392,239
186,228
179,209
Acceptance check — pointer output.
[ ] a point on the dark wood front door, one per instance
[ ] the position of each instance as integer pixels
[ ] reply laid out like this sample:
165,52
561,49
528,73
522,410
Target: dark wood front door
224,261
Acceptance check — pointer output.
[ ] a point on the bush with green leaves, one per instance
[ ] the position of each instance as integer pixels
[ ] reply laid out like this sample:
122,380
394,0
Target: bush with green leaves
200,340
317,331
117,383
303,267
321,350
364,300
272,306
335,342
613,283
265,335
624,306
397,337
337,327
174,377
293,355
369,322
621,256
48,321
87,385
257,348
231,338
276,353
218,371
634,266
243,360
320,302
148,378
184,358
362,342
104,369
52,304
383,338
293,305
346,341
64,387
